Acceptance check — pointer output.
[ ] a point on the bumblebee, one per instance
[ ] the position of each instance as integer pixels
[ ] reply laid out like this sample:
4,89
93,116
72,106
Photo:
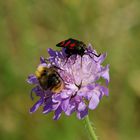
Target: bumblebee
49,79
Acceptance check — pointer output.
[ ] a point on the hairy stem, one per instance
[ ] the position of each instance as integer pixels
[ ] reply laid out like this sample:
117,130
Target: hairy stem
90,129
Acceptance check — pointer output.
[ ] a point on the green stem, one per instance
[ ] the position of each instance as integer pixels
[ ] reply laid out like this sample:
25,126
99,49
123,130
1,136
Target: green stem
90,128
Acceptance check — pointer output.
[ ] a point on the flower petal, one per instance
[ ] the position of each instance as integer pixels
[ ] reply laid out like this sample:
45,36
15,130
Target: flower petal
70,109
105,74
104,90
57,113
48,106
65,104
36,105
51,52
81,106
42,60
102,58
47,109
82,114
93,102
66,94
32,79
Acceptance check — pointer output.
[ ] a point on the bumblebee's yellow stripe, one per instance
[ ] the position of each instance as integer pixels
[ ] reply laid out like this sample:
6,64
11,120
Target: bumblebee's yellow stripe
39,71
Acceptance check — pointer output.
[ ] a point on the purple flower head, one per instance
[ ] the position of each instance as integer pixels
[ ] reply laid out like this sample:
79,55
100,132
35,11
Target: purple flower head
80,75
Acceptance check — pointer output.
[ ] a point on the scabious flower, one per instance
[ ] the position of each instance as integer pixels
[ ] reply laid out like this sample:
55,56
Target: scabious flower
82,90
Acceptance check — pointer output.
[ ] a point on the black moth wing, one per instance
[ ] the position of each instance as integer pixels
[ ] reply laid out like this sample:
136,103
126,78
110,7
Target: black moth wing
67,43
61,44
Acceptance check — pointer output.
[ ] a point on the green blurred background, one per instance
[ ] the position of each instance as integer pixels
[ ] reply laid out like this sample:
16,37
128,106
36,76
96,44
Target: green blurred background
29,27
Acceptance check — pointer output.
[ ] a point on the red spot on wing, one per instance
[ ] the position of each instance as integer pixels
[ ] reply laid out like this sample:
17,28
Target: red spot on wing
72,45
67,43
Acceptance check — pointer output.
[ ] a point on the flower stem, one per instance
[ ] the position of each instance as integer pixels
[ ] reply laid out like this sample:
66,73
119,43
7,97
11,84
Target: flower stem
90,128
